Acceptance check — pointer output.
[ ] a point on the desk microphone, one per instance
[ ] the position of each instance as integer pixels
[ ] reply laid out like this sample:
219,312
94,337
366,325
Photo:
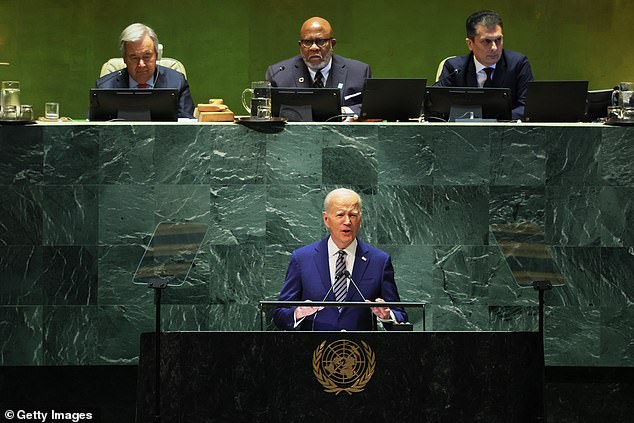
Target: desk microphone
347,275
452,74
109,78
280,69
343,272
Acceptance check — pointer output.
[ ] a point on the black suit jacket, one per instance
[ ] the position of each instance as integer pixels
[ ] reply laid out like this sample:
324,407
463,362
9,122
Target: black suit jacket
512,71
167,78
348,74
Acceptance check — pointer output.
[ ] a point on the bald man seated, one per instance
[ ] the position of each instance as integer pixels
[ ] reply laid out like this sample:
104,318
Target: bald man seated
318,67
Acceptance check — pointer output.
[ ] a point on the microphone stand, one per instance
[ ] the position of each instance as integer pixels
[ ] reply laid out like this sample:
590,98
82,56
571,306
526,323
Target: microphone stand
541,286
158,285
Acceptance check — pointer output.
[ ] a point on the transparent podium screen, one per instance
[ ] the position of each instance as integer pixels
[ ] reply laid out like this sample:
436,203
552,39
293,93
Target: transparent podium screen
170,254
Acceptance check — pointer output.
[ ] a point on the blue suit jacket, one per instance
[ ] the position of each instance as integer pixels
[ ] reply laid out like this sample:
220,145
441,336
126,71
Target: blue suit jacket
308,278
350,74
167,78
512,71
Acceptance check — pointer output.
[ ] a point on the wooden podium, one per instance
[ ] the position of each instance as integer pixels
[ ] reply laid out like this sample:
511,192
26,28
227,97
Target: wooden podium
343,376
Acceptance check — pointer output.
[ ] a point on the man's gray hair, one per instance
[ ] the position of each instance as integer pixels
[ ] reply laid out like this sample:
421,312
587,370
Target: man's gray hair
340,191
136,32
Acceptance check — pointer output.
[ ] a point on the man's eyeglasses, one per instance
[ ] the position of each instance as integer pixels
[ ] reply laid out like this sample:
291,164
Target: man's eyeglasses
319,41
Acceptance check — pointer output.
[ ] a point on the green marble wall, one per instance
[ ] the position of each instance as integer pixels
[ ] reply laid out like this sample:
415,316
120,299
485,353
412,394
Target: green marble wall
79,202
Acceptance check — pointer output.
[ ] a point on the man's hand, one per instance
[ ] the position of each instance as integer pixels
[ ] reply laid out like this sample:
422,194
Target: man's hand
303,311
382,313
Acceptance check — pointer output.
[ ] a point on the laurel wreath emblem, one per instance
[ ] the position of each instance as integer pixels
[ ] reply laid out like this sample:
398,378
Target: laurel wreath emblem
358,383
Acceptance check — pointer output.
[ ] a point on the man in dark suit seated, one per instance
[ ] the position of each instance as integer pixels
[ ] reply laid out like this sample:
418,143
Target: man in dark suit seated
316,272
488,64
316,66
139,49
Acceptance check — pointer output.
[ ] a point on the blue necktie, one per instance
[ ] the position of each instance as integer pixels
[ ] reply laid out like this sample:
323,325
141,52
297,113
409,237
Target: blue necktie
340,286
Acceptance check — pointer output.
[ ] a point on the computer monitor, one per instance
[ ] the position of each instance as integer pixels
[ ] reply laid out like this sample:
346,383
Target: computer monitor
598,102
133,104
444,104
393,98
556,101
306,104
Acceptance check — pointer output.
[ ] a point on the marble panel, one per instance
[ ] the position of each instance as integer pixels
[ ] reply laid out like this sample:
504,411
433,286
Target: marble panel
518,156
70,335
69,275
349,155
118,330
461,154
461,215
126,154
616,205
182,203
182,154
276,259
469,318
405,156
617,270
573,216
293,214
572,156
517,205
21,330
234,317
185,317
238,156
21,215
22,155
514,318
617,336
462,275
21,275
616,156
583,284
294,156
571,335
237,274
126,214
70,214
406,215
116,268
71,155
240,211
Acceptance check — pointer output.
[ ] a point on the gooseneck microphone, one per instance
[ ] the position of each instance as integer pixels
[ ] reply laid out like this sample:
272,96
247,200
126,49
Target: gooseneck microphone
447,77
109,78
349,276
343,272
278,70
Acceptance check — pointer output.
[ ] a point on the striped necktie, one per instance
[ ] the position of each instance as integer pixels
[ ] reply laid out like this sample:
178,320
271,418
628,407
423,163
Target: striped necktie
340,286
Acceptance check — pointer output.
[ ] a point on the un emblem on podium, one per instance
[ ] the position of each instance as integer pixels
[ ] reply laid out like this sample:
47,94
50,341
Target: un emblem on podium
343,366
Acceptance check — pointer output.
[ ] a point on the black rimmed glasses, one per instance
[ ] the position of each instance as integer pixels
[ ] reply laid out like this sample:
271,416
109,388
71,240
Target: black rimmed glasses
319,41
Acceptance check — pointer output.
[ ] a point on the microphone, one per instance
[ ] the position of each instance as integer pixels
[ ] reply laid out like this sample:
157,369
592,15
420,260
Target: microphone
112,76
347,275
450,75
343,272
280,69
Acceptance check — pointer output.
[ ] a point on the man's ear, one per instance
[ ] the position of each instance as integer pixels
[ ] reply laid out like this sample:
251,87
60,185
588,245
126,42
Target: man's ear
333,42
469,42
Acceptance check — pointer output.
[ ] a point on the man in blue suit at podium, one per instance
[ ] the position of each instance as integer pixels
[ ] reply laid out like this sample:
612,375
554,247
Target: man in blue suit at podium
339,268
